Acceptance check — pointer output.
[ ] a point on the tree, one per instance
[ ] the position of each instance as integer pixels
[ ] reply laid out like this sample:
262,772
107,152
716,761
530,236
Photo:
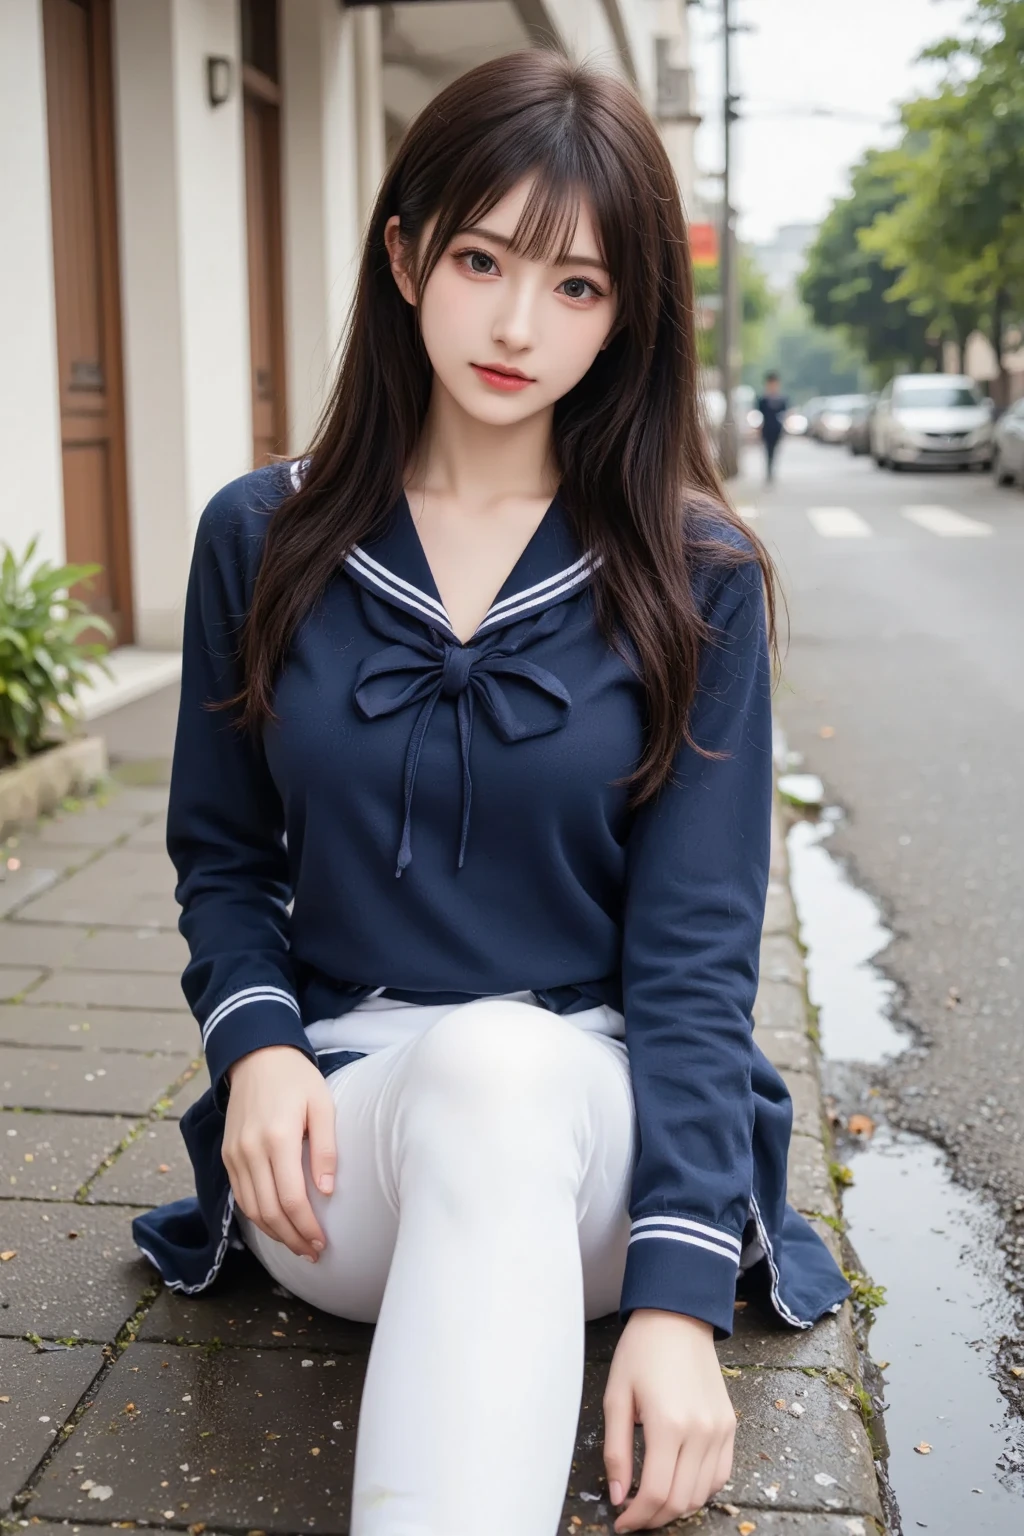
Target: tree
955,235
811,361
844,284
757,303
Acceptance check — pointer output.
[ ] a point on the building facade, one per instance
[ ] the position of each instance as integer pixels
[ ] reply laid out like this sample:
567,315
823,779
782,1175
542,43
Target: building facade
183,186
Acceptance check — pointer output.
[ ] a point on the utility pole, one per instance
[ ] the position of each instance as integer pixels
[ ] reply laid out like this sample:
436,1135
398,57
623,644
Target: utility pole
728,449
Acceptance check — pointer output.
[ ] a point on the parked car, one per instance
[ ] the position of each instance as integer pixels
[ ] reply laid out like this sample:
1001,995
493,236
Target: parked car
1008,447
932,418
834,420
858,439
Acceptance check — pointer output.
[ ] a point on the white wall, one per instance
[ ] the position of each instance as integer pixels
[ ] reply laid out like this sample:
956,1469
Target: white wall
184,287
332,161
31,497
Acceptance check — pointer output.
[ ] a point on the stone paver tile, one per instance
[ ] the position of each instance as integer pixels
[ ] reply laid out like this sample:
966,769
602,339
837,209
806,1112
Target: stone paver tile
187,1095
153,834
597,1517
110,1030
154,1169
247,1308
65,1151
91,826
111,989
125,888
789,1050
244,1422
56,1284
806,1095
20,886
145,949
37,1393
100,1082
780,1005
778,1457
781,960
14,980
44,944
145,799
757,1341
809,1185
780,914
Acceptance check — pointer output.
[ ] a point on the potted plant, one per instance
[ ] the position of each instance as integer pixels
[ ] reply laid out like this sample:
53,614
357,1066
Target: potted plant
44,662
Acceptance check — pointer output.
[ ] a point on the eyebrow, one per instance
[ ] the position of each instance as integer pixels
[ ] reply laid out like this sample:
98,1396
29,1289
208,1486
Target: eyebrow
570,261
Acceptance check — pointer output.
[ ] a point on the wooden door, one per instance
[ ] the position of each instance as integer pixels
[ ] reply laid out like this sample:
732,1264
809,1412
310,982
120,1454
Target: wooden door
266,299
79,98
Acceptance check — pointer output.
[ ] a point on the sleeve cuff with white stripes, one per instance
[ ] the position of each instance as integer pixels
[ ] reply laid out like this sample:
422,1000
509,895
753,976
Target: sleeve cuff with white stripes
682,1264
246,1021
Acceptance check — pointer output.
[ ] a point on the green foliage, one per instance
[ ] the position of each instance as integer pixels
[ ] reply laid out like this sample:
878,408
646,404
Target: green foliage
811,360
43,659
757,304
866,1296
847,285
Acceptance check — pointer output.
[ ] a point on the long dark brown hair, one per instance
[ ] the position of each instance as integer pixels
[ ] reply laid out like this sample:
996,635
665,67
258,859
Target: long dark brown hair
637,476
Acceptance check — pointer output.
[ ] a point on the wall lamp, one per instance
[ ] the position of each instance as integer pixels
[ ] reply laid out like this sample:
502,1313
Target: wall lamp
218,79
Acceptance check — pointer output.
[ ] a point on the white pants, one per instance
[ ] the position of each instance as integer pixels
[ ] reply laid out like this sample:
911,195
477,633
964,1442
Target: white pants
479,1215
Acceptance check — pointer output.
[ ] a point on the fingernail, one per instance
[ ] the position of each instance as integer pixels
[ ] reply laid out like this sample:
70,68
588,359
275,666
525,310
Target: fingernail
318,1245
325,1183
615,1492
310,1256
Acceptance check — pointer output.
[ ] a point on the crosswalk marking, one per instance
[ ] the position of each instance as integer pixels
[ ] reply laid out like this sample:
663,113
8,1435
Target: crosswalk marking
839,523
946,523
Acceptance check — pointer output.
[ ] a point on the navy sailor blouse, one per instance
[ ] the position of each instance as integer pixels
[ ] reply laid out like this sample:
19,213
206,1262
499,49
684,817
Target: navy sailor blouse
440,819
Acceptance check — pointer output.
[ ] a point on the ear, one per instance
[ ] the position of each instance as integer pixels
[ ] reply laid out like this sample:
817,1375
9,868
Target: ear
398,255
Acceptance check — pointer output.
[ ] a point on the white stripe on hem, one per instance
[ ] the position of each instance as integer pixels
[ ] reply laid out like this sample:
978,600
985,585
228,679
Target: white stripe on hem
248,995
690,1225
685,1237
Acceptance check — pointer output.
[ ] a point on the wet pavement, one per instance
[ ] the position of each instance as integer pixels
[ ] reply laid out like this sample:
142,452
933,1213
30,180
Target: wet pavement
954,1443
122,1404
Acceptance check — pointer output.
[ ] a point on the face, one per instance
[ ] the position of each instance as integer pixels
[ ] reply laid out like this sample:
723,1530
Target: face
487,313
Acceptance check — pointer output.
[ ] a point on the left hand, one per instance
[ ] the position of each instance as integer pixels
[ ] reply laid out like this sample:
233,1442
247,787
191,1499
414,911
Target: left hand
665,1375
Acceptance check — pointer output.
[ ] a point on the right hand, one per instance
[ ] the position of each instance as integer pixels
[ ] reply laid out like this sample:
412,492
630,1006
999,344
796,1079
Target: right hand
277,1098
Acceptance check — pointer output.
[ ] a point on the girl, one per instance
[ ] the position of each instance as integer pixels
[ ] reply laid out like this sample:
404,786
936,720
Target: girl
470,811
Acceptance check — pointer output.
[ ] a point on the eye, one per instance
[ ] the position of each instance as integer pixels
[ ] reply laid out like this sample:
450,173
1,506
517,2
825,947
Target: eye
480,262
579,287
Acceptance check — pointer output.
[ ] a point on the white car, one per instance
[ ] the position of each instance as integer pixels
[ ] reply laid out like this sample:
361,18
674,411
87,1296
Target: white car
932,418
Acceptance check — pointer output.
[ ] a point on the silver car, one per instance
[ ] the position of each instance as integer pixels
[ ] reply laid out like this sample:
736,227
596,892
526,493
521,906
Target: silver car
932,418
1008,454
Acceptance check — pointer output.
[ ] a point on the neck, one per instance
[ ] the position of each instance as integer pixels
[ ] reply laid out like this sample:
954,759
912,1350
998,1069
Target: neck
480,463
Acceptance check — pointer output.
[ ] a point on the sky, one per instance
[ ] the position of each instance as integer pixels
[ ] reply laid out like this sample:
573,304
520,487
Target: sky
854,57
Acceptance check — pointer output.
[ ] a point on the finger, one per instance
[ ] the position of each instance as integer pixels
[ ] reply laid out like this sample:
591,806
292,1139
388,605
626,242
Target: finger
686,1494
276,1222
245,1196
722,1470
293,1195
661,1455
323,1152
618,1443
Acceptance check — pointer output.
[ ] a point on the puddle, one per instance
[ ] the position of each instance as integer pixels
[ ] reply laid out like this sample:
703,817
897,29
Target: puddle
932,1244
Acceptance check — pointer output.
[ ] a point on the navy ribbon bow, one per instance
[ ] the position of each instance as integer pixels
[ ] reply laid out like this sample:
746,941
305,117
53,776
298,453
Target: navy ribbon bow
423,666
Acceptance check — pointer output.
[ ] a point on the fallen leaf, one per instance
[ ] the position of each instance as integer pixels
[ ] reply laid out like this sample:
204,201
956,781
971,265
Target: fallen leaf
780,1402
827,732
129,1407
924,1449
739,1306
4,1399
731,1509
166,1168
883,1365
745,1527
861,1125
731,1370
315,1451
8,1253
277,1334
952,997
1017,1370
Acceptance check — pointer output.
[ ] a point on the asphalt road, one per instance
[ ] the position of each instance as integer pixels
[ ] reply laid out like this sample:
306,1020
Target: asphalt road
907,646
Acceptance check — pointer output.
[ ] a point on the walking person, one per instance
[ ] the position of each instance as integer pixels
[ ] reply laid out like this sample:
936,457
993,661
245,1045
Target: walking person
470,811
773,406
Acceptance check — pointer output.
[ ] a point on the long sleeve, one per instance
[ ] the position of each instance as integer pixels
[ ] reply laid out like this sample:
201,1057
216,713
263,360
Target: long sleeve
697,874
225,824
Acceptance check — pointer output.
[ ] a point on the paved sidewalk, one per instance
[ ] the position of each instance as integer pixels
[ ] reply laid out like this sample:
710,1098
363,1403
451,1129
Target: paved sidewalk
122,1405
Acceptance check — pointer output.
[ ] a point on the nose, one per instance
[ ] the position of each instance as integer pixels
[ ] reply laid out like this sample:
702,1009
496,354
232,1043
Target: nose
515,324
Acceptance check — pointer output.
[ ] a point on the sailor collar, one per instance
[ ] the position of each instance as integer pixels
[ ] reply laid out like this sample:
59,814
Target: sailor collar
422,665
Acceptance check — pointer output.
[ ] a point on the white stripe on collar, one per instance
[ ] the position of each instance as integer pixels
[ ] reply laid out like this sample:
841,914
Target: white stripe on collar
391,586
540,599
540,586
399,581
